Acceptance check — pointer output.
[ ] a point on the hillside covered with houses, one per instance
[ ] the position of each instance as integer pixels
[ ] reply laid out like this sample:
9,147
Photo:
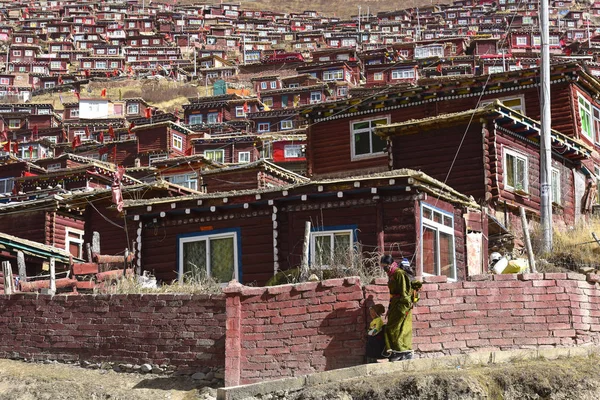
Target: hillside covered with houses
412,132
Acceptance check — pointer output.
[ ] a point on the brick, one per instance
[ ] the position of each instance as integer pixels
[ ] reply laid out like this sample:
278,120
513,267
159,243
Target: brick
435,279
575,276
564,333
329,283
464,292
429,287
429,347
479,278
530,277
459,344
350,296
504,277
305,286
544,283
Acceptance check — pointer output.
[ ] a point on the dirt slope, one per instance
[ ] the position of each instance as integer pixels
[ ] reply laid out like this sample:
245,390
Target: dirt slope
566,379
28,381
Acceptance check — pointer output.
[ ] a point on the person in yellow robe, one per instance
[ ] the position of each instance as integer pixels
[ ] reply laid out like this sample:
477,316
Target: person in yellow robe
398,330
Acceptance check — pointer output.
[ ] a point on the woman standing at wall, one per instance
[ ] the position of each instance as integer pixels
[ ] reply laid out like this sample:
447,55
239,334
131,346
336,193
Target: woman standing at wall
398,330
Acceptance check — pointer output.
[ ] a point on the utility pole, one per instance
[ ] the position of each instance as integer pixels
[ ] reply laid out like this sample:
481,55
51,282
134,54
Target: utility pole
545,145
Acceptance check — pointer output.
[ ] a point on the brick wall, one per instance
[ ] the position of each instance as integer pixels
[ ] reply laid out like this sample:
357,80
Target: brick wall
292,330
186,331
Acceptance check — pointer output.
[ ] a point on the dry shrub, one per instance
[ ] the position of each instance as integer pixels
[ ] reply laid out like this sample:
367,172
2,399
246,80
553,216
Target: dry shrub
193,283
575,248
157,92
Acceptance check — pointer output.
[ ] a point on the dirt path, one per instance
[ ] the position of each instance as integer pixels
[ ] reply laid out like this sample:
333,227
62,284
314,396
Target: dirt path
31,381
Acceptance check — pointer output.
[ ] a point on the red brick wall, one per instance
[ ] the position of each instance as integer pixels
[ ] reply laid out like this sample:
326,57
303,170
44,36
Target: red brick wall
292,330
185,331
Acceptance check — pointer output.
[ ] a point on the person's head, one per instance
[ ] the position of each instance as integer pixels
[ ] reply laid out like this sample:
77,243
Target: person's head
386,261
376,310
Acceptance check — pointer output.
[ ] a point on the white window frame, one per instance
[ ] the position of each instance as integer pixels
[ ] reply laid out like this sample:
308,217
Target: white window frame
195,119
286,124
14,123
586,112
438,228
133,108
78,241
378,76
263,85
315,97
239,112
521,41
264,127
189,181
211,153
371,154
152,158
177,142
6,185
53,167
212,118
206,238
331,234
517,156
403,74
334,75
507,102
555,185
244,157
268,102
292,151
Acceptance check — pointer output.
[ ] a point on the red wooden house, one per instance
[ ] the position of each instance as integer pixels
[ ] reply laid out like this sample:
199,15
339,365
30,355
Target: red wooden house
255,233
500,156
227,148
162,140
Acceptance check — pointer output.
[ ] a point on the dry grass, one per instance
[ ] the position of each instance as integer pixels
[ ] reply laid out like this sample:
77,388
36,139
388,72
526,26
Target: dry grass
574,248
337,8
192,284
165,95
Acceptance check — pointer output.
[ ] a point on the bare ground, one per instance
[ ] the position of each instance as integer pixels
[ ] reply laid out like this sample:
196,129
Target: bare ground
575,378
30,381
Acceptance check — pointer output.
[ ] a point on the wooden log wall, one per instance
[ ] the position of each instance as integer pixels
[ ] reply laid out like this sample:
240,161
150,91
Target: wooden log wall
30,225
329,148
234,180
56,229
342,212
113,239
467,173
159,249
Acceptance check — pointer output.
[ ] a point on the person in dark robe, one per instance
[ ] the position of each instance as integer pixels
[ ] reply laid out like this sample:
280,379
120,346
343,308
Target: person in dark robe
398,330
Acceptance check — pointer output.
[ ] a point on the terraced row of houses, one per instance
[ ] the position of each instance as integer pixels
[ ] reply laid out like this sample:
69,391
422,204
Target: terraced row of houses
411,132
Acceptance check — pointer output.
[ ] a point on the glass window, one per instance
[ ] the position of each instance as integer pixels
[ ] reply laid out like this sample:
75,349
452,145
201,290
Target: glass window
437,243
403,74
6,185
264,127
515,103
315,97
212,118
292,151
74,242
215,155
555,182
152,158
585,116
287,124
364,140
209,255
332,247
133,108
195,119
378,76
244,157
186,180
177,142
515,171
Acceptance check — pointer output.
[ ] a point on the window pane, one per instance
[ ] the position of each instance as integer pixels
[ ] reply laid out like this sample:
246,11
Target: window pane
322,250
360,125
437,217
520,177
447,221
361,143
222,261
510,171
341,248
429,251
447,255
427,213
379,144
194,257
